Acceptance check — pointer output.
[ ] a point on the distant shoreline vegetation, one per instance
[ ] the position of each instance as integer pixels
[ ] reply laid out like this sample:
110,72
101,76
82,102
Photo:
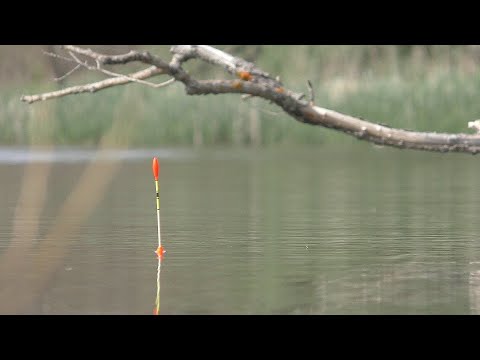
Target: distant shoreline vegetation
421,88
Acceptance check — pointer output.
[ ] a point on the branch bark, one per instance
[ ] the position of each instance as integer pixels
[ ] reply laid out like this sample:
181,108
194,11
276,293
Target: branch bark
252,81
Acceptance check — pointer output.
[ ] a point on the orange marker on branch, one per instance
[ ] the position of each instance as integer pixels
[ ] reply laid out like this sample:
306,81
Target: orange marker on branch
244,75
155,168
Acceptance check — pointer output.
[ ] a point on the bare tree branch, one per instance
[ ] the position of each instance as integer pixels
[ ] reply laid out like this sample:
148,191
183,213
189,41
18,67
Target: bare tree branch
252,81
93,87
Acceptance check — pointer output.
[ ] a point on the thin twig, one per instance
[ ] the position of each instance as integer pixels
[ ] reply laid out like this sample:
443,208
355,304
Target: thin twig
67,74
311,92
78,61
58,56
165,83
148,83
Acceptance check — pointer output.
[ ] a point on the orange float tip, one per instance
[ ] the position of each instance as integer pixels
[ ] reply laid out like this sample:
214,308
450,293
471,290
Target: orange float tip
155,311
160,251
155,168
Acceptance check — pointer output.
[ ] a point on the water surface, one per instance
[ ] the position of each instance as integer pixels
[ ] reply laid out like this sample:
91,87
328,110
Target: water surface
313,230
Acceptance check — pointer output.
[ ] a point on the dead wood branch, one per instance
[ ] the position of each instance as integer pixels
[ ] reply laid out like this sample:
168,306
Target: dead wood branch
252,81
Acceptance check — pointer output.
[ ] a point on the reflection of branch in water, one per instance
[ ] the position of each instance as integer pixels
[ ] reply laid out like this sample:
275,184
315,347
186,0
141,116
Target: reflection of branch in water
156,310
17,296
53,248
26,217
27,211
34,187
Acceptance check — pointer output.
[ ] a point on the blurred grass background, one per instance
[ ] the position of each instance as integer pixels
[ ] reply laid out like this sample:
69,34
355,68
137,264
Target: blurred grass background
421,87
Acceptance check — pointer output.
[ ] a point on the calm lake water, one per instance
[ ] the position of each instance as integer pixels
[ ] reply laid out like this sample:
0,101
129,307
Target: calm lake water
312,230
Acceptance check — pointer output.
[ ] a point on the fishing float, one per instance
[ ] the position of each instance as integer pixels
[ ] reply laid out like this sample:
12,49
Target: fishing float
155,167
